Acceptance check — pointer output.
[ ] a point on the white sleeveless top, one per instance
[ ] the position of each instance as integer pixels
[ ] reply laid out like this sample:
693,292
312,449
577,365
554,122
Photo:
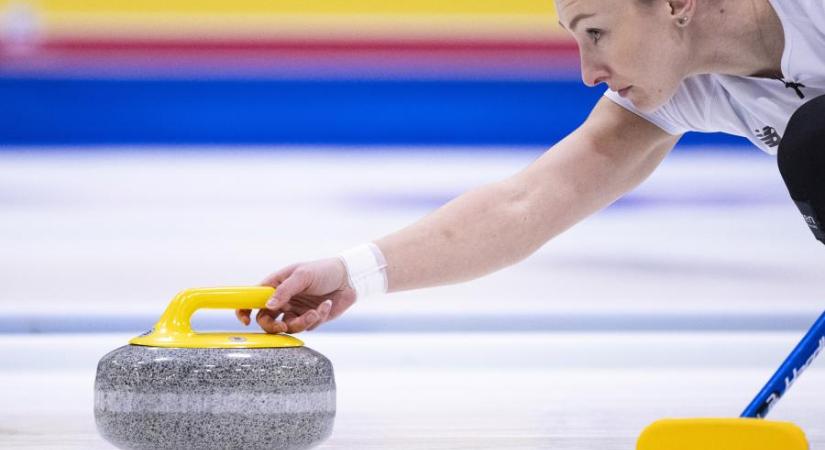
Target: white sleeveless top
755,108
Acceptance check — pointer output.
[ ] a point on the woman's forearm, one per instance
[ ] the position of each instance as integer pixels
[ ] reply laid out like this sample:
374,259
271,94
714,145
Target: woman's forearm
497,225
474,234
492,227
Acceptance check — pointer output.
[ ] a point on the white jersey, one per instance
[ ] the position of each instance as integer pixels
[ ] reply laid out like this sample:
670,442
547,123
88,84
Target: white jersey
755,108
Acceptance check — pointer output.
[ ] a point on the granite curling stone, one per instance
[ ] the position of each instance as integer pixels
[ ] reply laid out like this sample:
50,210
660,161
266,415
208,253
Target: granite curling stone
173,388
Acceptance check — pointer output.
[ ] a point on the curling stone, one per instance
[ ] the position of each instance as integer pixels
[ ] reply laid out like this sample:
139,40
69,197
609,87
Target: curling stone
174,388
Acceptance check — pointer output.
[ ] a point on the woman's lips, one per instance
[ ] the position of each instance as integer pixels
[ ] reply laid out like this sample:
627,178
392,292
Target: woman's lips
623,92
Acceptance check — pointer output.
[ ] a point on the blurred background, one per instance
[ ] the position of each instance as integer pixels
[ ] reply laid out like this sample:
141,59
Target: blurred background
152,146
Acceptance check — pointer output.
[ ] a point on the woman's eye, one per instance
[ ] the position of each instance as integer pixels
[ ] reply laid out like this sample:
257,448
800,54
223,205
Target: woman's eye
595,34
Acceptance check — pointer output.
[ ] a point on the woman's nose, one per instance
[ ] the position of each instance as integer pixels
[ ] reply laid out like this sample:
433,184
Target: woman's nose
593,72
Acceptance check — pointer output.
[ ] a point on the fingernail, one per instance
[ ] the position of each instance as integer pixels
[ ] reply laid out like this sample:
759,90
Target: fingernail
328,302
271,303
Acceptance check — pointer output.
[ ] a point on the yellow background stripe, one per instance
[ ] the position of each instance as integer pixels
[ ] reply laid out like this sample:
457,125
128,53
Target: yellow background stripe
320,19
300,6
304,27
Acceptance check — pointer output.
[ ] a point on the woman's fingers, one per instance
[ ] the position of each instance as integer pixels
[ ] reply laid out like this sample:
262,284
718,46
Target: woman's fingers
302,322
268,322
243,315
294,284
291,322
323,314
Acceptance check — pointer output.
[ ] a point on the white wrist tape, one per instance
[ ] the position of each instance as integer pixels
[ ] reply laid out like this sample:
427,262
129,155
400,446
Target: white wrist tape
366,269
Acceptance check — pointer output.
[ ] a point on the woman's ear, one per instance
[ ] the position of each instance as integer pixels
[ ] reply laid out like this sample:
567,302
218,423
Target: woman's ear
682,11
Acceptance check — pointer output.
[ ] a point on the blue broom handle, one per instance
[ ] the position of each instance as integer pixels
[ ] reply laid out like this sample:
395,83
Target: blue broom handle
800,359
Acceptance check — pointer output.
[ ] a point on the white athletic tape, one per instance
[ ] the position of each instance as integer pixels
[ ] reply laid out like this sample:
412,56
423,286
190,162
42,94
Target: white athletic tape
366,269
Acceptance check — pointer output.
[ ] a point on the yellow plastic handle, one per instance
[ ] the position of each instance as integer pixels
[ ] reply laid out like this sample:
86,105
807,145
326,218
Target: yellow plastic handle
174,328
178,315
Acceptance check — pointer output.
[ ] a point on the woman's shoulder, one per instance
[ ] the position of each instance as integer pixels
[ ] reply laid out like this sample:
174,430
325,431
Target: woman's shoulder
813,10
802,19
687,110
693,99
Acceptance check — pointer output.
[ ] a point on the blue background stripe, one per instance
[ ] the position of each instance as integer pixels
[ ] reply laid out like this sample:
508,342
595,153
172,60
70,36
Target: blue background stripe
541,322
340,112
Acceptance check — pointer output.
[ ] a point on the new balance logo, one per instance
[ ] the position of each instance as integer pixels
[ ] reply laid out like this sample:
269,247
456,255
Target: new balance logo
769,136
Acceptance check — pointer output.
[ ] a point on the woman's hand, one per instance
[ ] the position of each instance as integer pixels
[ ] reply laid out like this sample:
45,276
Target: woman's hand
306,295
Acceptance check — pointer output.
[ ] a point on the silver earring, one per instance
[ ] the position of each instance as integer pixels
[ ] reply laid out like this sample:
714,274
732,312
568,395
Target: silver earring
683,21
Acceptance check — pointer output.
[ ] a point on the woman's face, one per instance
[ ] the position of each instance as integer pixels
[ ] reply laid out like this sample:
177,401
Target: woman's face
637,49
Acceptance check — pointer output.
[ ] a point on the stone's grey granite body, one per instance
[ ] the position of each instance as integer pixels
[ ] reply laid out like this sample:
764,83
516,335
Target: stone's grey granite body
175,398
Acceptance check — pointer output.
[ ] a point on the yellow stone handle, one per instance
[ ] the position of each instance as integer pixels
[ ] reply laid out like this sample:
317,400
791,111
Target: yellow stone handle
174,329
178,315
